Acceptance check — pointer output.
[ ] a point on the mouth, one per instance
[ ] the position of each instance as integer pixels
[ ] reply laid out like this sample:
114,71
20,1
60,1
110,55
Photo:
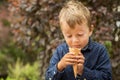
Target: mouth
76,46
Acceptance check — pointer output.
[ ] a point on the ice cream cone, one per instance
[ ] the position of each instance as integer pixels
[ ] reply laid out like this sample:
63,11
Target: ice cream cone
76,52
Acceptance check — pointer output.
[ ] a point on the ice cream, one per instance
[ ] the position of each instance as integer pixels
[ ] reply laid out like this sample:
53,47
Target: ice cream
75,51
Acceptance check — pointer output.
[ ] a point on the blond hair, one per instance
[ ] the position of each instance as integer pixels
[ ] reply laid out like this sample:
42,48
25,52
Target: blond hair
74,12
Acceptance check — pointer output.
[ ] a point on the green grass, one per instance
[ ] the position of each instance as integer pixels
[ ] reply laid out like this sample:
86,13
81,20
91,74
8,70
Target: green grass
5,22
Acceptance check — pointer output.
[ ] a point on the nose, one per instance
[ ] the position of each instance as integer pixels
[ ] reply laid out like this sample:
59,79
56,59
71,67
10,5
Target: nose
75,40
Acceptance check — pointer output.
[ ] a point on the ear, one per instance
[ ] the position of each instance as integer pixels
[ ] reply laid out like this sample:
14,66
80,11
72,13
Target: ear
91,30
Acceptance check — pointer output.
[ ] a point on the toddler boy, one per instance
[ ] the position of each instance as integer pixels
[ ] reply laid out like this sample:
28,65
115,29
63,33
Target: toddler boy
93,62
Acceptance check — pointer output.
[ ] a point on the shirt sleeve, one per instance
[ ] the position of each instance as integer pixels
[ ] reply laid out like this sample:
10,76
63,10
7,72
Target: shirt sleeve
52,73
102,70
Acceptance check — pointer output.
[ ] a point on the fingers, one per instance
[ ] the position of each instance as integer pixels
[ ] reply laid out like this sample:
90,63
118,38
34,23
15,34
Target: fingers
71,59
80,56
70,56
80,61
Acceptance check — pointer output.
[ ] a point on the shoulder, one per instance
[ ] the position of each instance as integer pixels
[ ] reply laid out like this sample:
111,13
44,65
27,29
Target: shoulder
97,45
58,53
61,50
93,45
99,48
99,51
62,47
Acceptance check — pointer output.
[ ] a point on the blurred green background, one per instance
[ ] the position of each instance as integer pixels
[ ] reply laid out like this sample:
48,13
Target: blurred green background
29,33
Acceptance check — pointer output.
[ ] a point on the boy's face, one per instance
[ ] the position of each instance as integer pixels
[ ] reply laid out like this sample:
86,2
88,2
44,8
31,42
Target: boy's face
76,37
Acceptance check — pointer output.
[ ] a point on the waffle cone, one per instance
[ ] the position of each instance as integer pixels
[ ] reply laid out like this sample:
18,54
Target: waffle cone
76,52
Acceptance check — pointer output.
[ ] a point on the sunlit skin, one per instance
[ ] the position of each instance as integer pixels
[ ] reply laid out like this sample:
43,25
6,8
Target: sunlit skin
76,37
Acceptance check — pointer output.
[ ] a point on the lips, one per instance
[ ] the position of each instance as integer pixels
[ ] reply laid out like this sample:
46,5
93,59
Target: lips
76,46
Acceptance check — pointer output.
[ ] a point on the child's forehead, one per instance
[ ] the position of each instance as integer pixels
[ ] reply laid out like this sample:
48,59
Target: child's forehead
65,24
76,28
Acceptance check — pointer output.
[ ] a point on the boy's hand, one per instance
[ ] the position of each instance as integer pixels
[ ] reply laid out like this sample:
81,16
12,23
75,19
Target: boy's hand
71,59
68,59
81,61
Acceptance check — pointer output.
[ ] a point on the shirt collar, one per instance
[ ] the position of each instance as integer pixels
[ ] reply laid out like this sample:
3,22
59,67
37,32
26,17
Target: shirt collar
88,46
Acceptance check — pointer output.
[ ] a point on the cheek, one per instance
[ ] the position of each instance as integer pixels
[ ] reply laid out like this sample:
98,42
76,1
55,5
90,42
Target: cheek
84,39
68,41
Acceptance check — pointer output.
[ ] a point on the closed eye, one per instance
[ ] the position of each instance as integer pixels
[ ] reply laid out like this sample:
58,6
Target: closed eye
80,34
69,36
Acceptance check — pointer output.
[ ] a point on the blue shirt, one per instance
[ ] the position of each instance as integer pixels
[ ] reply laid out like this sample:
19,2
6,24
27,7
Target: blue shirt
97,64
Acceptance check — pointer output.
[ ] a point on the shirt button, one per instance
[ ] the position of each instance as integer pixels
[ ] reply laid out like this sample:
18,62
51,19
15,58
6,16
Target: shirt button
50,79
84,78
54,72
